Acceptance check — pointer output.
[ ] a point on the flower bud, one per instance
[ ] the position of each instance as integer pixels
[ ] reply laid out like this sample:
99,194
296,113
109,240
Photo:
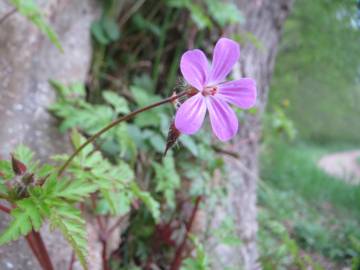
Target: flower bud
18,167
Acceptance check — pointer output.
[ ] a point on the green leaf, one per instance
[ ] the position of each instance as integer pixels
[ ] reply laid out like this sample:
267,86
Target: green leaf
167,179
6,171
200,261
29,9
105,30
146,198
25,155
69,221
190,144
156,140
76,190
98,33
199,16
25,217
126,141
119,103
224,13
111,28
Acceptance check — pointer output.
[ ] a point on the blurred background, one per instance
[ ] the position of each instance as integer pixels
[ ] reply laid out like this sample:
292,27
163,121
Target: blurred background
284,194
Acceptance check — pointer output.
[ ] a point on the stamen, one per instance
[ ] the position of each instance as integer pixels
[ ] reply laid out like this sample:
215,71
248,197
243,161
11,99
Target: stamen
209,91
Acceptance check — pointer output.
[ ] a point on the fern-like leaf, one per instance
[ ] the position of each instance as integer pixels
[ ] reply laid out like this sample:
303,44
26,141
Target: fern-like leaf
69,221
26,216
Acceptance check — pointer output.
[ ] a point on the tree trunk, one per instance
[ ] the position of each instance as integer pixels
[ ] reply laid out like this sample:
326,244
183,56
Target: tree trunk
27,61
264,20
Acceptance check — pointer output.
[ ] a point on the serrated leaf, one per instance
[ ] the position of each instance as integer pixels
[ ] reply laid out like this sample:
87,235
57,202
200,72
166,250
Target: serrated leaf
25,155
111,28
99,34
6,171
25,217
76,190
167,179
69,221
119,103
30,9
224,13
190,144
148,200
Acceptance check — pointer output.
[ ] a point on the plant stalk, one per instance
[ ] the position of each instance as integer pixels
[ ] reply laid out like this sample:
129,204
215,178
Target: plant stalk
176,263
4,209
115,123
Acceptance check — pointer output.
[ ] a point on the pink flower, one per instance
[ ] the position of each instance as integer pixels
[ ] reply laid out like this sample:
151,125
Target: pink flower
213,94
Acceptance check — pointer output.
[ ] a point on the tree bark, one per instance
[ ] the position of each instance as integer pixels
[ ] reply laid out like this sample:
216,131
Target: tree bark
264,20
27,61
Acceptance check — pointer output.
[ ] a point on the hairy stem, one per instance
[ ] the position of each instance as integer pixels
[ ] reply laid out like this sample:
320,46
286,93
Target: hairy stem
176,263
115,123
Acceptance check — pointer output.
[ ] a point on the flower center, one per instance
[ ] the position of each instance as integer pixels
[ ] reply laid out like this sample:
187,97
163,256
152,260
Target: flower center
209,91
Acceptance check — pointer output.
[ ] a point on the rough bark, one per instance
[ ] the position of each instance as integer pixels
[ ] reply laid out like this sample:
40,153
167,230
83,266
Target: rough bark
27,61
264,20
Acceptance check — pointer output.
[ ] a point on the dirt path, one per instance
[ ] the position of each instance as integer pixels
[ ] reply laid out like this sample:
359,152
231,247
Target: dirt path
344,165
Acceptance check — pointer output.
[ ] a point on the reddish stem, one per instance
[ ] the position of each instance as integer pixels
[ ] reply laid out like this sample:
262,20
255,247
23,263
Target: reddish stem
103,256
176,263
34,248
115,123
113,228
72,260
36,244
42,250
4,209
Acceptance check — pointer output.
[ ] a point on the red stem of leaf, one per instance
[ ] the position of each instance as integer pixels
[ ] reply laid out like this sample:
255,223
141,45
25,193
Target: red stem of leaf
34,248
36,244
115,123
38,248
103,256
43,251
113,228
72,261
4,209
176,263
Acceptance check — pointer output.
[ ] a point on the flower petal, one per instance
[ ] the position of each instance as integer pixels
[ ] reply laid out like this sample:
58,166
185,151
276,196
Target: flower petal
226,54
190,116
195,68
223,119
241,93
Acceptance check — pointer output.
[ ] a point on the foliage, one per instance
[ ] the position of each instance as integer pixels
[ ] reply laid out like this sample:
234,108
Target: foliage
46,196
147,134
209,12
39,195
167,180
200,261
308,218
124,172
30,10
317,73
105,31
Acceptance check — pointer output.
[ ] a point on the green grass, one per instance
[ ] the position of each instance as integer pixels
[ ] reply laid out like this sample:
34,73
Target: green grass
293,167
312,218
